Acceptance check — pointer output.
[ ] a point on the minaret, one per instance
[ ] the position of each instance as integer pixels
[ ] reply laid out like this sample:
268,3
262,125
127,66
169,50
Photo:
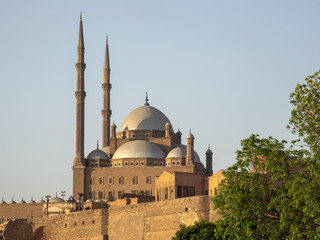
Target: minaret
209,161
80,94
106,111
190,150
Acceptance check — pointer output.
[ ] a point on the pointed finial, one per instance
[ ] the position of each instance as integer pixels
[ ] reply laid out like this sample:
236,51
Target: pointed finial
190,130
97,144
147,99
81,15
56,194
107,39
208,146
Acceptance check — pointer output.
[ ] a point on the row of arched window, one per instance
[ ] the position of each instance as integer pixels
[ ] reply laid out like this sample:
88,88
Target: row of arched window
120,180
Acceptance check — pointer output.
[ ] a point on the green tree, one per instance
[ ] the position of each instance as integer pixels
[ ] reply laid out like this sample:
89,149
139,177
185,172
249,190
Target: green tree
272,192
199,231
305,115
248,201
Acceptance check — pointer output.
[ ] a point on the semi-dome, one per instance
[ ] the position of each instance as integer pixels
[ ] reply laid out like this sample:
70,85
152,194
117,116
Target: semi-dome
56,200
181,151
97,154
145,118
139,149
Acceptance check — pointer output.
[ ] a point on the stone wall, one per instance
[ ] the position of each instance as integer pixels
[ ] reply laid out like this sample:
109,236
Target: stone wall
158,220
25,210
149,221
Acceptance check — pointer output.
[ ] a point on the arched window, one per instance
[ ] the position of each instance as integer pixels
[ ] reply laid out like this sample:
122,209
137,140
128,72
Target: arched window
121,180
135,180
101,180
148,180
110,180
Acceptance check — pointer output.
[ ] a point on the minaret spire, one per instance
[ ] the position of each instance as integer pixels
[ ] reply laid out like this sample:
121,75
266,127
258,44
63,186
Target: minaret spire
106,111
80,95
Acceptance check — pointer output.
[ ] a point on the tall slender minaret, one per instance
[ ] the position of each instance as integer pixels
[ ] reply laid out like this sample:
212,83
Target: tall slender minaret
106,111
80,94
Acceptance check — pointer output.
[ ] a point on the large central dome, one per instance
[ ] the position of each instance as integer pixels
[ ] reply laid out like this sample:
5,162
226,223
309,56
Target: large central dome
139,149
145,118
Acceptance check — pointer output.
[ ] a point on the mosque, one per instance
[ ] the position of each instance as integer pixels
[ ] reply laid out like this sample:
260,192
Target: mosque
143,183
134,159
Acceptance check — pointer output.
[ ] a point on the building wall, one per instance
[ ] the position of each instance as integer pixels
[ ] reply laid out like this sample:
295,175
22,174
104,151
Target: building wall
158,220
25,210
148,221
128,173
213,183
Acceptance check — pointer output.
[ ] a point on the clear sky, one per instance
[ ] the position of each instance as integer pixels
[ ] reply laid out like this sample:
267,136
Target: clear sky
224,69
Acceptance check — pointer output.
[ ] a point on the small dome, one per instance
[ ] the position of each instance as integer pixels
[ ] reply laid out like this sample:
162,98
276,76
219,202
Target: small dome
89,200
12,202
139,149
190,135
41,200
178,132
22,201
180,152
56,200
209,151
145,118
97,154
3,202
32,201
99,200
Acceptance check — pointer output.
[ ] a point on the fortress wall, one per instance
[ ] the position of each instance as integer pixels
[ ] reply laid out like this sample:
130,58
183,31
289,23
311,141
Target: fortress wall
26,210
148,221
157,220
91,224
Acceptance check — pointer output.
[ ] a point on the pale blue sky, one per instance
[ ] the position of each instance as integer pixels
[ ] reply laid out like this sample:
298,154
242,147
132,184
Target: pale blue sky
225,69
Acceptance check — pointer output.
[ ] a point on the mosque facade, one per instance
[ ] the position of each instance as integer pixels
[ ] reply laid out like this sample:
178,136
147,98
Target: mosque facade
134,158
157,182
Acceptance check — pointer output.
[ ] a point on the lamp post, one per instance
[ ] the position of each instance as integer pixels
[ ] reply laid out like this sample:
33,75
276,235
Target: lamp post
48,197
80,196
63,194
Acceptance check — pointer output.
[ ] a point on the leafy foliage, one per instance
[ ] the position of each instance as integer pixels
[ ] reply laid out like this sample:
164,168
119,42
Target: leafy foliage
199,231
305,115
268,194
272,192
